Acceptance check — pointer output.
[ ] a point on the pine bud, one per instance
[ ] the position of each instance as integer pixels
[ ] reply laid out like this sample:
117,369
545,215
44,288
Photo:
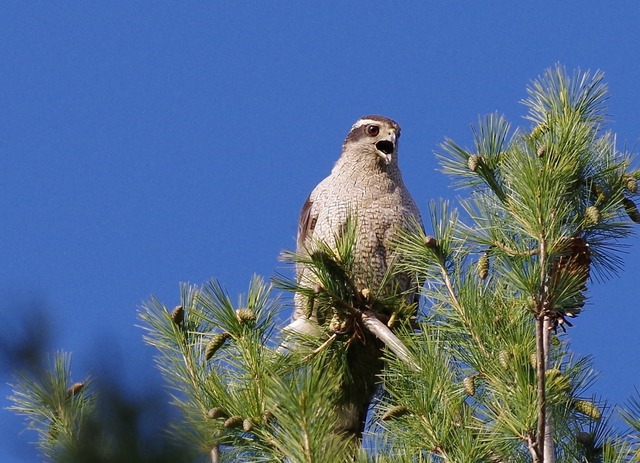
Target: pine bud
233,422
247,425
592,214
588,408
473,162
430,242
469,384
177,315
483,266
395,412
631,209
630,183
216,343
246,315
75,389
541,151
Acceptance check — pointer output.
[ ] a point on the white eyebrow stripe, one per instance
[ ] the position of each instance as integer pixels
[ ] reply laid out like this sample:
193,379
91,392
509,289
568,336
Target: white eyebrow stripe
362,122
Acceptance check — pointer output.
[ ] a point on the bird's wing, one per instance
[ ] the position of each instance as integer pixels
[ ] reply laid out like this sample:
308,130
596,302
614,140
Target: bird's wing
307,222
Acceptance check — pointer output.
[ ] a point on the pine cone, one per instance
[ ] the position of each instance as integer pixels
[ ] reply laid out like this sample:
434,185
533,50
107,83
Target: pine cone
505,358
483,266
216,412
473,162
592,215
469,384
75,389
631,209
246,315
233,422
576,259
395,412
587,408
216,343
430,242
586,438
177,315
631,184
247,425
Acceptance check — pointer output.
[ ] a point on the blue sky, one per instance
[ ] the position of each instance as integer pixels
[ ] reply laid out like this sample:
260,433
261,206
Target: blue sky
145,144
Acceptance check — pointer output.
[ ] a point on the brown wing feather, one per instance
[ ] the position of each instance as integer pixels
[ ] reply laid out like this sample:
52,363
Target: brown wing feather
306,223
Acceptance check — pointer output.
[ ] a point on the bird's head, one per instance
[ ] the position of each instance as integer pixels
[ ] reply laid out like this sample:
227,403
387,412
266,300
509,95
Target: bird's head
374,138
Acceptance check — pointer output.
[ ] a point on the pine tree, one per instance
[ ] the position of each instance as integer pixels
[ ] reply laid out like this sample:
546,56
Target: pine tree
547,206
483,375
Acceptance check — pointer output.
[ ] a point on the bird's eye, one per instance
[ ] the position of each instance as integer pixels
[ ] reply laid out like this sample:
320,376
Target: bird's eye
373,130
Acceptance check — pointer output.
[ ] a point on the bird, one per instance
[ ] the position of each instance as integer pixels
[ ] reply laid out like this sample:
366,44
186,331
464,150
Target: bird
366,186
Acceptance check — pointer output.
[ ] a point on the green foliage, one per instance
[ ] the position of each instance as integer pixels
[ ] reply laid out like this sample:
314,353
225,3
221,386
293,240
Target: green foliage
302,401
53,407
84,421
246,401
546,206
330,286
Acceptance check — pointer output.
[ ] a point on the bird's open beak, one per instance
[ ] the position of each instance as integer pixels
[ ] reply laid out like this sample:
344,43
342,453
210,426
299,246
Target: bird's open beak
387,148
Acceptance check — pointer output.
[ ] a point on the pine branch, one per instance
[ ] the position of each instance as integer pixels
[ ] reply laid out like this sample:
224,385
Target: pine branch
550,206
54,407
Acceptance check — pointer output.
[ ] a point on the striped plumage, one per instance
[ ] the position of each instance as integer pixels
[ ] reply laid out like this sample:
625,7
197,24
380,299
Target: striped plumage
366,185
